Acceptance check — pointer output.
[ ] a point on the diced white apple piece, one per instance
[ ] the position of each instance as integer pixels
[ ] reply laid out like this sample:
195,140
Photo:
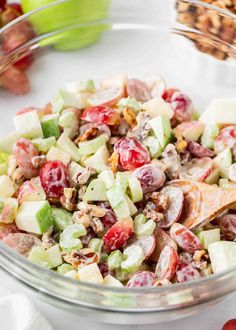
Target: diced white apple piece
80,86
9,210
209,236
158,106
65,144
90,274
96,191
31,191
34,217
213,177
162,129
55,153
69,121
44,145
191,130
222,255
112,281
72,99
28,125
221,111
74,171
223,161
99,160
7,187
7,143
114,81
50,258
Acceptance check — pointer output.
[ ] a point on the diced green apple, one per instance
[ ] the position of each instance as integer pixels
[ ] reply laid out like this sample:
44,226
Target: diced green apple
7,187
50,258
162,129
223,161
34,217
119,80
69,121
72,99
7,143
90,274
222,255
50,126
80,86
209,236
132,208
213,177
158,106
55,153
43,145
74,171
9,210
220,112
28,125
96,191
112,281
191,130
99,160
65,144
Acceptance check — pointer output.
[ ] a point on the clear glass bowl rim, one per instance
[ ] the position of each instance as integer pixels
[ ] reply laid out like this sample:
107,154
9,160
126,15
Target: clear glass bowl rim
12,255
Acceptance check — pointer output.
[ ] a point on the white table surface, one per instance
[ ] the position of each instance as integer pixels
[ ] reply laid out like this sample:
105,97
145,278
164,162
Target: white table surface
212,319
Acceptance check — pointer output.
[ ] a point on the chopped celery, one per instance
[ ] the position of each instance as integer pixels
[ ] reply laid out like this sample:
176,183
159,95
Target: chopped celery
50,126
122,179
91,146
209,134
134,257
61,218
98,161
108,178
136,192
142,227
96,244
64,143
44,145
129,102
64,268
49,258
153,146
115,259
69,238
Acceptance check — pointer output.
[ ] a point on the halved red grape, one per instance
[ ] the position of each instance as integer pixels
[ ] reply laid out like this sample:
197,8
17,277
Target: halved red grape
197,150
167,95
175,205
109,219
167,263
185,273
54,178
230,325
132,154
182,106
138,90
2,4
118,234
151,177
6,229
24,151
146,243
21,243
106,97
162,239
101,115
185,239
227,224
141,279
197,169
16,6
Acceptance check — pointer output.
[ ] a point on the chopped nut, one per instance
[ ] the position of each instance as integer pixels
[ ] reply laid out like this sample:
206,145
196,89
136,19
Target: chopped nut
38,161
198,255
151,213
181,145
97,225
69,199
130,117
85,175
81,258
199,264
91,132
81,192
113,161
83,218
163,282
92,209
160,199
14,172
47,240
206,271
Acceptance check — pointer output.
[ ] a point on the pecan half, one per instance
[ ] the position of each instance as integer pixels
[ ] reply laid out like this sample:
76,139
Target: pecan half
113,161
38,161
130,117
69,198
83,257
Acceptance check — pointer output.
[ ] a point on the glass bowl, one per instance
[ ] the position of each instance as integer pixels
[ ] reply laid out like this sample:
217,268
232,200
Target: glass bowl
96,40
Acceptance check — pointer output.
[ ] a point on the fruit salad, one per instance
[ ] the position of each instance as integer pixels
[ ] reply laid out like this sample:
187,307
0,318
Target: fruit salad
122,184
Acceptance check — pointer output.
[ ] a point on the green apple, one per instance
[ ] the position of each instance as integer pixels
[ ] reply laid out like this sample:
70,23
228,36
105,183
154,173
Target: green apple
222,255
44,145
34,217
99,160
91,146
7,143
50,258
209,236
96,191
162,129
64,143
61,218
68,15
28,125
50,126
223,161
